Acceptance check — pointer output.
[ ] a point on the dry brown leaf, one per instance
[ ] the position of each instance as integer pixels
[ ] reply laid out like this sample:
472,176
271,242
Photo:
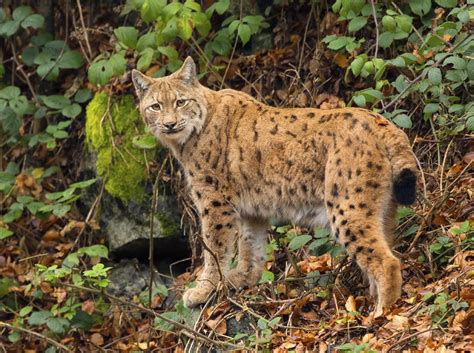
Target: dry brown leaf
341,60
468,157
351,304
97,339
52,235
88,306
218,325
60,294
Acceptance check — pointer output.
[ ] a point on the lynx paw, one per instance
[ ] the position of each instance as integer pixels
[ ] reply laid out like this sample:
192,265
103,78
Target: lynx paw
240,279
195,296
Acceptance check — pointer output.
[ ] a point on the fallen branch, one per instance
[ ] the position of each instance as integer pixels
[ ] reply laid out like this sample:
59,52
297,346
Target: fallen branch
36,334
189,330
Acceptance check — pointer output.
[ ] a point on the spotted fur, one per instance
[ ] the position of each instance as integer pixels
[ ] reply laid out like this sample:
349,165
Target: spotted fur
247,162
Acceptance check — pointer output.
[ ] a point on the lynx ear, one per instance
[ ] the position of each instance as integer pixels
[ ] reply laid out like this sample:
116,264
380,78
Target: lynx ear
141,83
187,72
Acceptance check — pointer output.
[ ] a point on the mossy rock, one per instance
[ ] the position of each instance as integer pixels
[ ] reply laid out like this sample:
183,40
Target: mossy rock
111,125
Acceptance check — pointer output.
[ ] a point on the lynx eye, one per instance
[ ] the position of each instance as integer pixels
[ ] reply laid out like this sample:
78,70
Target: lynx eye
155,107
181,102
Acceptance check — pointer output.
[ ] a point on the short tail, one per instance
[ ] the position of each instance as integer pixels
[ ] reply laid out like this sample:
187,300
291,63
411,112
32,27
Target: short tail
404,187
404,169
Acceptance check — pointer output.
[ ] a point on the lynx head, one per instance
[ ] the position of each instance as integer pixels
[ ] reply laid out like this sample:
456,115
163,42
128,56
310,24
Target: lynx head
173,106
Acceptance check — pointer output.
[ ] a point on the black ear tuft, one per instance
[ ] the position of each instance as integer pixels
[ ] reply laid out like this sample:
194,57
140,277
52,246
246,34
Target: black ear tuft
404,187
141,82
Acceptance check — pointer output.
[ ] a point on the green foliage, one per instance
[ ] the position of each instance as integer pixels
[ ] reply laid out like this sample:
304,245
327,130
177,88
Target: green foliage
166,25
441,59
355,348
111,128
438,306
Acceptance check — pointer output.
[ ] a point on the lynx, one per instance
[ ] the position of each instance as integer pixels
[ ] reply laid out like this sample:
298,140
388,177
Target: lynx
247,162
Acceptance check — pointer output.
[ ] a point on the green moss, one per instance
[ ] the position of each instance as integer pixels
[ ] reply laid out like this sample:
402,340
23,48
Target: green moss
111,124
168,227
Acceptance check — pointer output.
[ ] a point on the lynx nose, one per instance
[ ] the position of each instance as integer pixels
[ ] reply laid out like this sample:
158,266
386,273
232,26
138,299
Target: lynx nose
170,125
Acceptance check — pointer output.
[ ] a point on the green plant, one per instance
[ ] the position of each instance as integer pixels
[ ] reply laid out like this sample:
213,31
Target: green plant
167,24
437,72
355,348
438,306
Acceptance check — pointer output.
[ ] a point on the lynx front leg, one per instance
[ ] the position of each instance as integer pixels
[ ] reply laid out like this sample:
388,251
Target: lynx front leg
252,253
219,230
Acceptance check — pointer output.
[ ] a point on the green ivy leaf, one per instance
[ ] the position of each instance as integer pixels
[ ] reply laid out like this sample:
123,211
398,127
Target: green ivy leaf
55,101
39,317
267,277
434,76
25,310
118,63
71,60
244,33
165,326
128,36
82,184
360,100
185,30
10,92
146,57
431,108
151,9
5,233
403,120
202,23
82,95
146,41
172,9
95,251
34,21
9,28
21,12
100,72
338,43
386,39
72,110
447,3
58,325
420,7
299,241
357,23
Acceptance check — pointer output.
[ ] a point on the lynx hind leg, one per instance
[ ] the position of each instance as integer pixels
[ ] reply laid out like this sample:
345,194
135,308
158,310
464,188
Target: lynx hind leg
356,208
251,253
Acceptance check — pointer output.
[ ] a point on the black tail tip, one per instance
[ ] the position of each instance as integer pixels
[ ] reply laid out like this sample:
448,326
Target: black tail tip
404,187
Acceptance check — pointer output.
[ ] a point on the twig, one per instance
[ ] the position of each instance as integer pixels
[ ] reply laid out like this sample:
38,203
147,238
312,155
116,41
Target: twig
409,337
61,53
24,74
444,163
36,334
234,47
86,37
374,14
195,334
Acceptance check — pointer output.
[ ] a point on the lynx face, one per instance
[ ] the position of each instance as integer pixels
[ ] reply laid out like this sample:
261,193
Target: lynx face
172,107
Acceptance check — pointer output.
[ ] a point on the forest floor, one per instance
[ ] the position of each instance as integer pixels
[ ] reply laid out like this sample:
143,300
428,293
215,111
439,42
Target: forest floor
290,311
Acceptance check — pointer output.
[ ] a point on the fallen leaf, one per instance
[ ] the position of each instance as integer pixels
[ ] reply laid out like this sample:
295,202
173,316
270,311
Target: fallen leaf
341,60
218,325
97,339
351,304
88,306
468,157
